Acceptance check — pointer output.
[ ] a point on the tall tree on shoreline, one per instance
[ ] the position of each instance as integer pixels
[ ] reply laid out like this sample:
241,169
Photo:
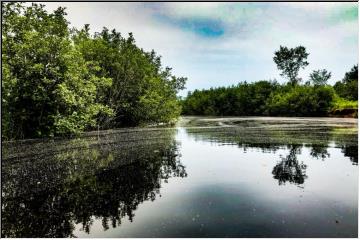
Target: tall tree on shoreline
320,77
290,60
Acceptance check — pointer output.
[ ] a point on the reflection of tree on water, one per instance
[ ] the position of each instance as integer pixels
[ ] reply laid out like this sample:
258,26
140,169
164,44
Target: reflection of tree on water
350,151
319,151
265,147
46,195
270,140
289,169
317,138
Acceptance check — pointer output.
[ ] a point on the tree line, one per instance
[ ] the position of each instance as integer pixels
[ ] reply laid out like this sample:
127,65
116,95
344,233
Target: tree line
58,80
270,98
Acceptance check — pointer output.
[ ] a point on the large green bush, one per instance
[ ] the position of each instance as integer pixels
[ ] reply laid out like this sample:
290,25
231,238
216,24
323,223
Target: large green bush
242,100
301,101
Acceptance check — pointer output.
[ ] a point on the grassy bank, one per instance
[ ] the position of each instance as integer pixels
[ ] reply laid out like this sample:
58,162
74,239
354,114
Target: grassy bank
344,108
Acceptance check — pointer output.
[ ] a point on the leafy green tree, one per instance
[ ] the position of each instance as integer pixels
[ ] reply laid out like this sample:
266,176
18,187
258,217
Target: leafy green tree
348,87
352,74
320,77
290,60
142,91
47,87
58,81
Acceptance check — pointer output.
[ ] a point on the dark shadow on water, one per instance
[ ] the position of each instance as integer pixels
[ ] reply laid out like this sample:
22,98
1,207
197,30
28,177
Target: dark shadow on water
44,195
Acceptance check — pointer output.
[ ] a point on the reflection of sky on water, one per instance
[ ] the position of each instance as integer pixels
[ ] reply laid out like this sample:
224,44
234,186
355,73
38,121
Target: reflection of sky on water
231,191
236,194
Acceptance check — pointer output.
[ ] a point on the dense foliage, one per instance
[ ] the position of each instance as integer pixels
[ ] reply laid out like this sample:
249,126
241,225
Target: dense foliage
269,98
264,98
343,103
348,87
57,81
141,91
300,100
242,100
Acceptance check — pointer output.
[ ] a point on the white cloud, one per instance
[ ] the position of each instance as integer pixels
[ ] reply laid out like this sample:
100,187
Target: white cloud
253,31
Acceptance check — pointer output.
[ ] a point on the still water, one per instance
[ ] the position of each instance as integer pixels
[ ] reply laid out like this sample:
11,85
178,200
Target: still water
206,177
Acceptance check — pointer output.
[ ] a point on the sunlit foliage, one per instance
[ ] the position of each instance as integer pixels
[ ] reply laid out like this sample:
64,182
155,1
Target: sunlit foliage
58,81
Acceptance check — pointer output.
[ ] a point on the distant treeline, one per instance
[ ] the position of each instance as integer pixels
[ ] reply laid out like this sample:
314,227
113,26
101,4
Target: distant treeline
269,98
62,81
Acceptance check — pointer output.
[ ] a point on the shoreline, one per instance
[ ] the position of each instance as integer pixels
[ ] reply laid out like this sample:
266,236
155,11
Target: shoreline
152,127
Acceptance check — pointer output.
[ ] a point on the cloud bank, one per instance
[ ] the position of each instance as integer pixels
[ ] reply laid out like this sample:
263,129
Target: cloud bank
220,44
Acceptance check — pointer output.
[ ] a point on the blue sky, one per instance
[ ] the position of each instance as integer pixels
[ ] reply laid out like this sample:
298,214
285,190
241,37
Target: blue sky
220,44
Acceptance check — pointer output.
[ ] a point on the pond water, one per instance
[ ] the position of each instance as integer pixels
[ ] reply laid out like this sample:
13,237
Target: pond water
206,177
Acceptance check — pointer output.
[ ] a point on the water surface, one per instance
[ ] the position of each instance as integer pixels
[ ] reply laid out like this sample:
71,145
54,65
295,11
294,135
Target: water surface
206,177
